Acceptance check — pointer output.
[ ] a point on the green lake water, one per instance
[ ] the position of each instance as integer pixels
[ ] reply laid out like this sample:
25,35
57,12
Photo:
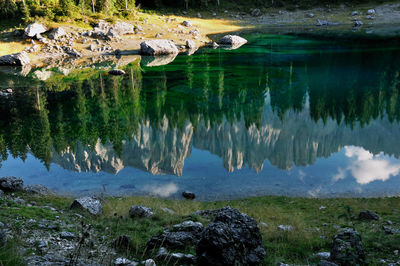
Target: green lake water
281,115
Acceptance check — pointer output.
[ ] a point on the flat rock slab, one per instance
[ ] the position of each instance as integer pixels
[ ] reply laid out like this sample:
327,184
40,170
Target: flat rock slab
158,47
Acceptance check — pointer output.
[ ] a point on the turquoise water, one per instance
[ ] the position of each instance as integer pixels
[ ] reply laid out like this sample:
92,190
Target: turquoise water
282,115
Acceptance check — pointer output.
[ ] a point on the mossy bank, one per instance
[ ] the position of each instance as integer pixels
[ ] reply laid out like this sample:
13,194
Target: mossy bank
294,230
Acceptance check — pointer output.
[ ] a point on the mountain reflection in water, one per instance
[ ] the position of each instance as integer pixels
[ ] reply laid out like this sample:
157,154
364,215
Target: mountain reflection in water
256,106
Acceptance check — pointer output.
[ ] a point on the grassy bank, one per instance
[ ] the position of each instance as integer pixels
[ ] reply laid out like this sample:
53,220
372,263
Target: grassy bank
315,222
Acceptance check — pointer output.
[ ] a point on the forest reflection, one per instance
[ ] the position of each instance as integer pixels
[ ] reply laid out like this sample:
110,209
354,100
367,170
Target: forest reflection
289,109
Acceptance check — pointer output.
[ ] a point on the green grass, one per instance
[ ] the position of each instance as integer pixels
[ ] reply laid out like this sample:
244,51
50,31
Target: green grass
313,228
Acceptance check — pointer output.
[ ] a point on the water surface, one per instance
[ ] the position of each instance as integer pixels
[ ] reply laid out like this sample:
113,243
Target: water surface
282,115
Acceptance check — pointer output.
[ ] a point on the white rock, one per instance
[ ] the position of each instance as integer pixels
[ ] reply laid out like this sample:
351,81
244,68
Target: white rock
35,28
158,47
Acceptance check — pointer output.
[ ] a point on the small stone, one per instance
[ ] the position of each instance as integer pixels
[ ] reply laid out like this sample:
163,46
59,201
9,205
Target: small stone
371,12
67,235
358,23
188,195
369,17
326,263
139,211
368,215
38,189
310,15
285,228
322,208
124,262
149,262
199,15
354,13
187,23
323,255
256,12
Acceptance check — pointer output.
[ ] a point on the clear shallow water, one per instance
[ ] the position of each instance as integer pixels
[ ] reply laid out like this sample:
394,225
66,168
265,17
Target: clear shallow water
279,116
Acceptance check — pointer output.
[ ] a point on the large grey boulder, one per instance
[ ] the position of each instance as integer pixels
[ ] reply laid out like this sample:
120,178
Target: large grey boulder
233,40
93,206
233,238
34,29
11,184
139,211
347,248
17,59
178,236
57,33
158,47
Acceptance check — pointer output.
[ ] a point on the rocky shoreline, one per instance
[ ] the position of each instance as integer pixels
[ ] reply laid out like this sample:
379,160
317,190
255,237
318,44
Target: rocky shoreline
80,233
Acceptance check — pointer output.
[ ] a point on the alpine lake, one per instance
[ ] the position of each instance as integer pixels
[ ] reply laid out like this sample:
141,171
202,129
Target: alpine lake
285,114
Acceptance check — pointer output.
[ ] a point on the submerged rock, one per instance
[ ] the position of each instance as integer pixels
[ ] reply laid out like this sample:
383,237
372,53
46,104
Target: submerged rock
139,211
11,184
233,238
93,206
17,59
158,47
32,30
347,248
188,195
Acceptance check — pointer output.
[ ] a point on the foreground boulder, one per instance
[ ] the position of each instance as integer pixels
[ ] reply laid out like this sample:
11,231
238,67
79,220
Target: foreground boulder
57,33
34,29
158,47
233,40
347,248
18,59
178,237
11,184
93,206
233,238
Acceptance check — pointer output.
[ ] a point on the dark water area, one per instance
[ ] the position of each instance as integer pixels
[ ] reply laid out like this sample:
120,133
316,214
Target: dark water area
281,115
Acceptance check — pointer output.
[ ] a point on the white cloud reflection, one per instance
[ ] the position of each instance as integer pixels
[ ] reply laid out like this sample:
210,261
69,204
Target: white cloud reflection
366,167
162,190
